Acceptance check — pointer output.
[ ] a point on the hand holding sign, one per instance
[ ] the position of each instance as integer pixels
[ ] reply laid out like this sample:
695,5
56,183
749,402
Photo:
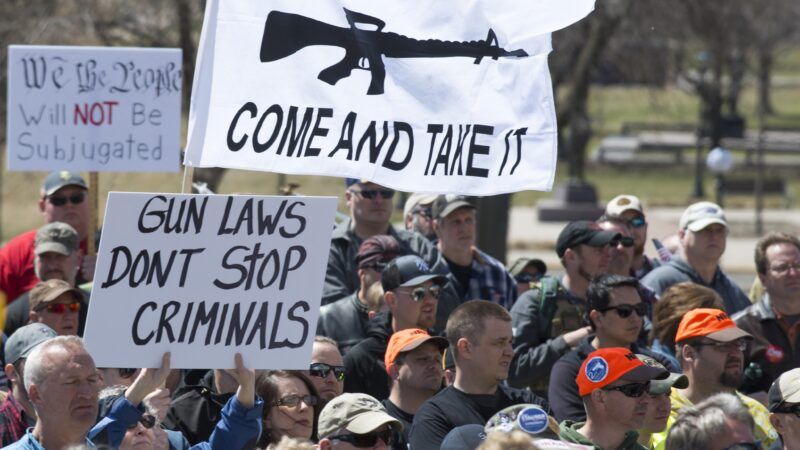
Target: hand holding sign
148,381
246,378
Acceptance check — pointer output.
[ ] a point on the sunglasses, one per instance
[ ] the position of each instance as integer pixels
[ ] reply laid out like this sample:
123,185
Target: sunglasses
61,308
633,390
624,311
375,266
147,421
626,241
418,294
527,277
637,222
293,400
427,211
367,440
322,370
739,344
370,194
788,409
60,200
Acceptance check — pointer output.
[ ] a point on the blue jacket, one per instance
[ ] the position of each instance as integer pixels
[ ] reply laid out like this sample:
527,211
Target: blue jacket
237,426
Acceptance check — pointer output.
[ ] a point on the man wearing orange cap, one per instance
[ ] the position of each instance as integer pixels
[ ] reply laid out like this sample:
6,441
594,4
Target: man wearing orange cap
710,348
614,385
414,363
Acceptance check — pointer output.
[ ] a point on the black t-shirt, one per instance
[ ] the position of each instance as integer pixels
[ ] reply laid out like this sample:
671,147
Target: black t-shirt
452,408
400,439
461,274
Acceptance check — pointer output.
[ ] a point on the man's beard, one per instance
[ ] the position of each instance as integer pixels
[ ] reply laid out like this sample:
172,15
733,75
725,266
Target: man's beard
730,380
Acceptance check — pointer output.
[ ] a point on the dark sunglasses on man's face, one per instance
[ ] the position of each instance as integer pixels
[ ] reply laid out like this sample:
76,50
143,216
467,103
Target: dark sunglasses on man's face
322,370
418,294
637,222
369,194
147,421
633,390
61,308
366,440
60,200
528,277
625,311
626,241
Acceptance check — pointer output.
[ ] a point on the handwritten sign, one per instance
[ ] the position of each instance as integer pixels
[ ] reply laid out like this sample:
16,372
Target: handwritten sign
207,276
414,95
94,109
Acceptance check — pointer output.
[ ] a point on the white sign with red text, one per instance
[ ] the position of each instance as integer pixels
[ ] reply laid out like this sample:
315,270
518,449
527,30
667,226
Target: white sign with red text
97,109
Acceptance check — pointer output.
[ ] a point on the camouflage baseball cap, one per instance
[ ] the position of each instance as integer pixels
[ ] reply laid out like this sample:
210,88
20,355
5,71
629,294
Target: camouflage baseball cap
660,387
60,178
48,291
356,413
57,237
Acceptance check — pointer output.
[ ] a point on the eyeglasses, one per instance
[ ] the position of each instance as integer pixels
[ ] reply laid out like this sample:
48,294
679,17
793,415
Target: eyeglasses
743,446
727,347
60,200
423,211
61,308
366,440
375,266
418,294
785,408
126,373
633,390
370,194
637,222
784,268
624,311
322,370
626,241
293,400
147,421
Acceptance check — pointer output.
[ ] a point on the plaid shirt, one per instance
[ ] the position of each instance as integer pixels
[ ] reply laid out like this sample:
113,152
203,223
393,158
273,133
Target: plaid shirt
13,423
489,280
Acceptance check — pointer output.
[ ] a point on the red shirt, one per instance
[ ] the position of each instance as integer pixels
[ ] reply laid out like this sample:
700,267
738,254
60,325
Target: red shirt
16,265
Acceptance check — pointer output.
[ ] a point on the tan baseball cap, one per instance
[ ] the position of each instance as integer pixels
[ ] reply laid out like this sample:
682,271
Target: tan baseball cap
356,413
622,203
786,389
57,237
48,291
415,200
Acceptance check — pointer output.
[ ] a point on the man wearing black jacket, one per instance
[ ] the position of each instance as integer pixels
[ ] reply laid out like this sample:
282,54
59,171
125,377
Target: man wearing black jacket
411,291
616,314
480,336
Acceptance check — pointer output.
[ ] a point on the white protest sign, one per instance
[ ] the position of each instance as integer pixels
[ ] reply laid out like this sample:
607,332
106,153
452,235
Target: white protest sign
208,276
97,109
419,95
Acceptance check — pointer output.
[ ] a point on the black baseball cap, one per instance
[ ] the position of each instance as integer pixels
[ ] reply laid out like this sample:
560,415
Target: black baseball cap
59,179
408,270
583,232
444,205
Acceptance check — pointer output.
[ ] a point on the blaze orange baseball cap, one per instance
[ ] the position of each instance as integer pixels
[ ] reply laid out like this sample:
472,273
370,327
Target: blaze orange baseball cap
607,365
407,340
711,323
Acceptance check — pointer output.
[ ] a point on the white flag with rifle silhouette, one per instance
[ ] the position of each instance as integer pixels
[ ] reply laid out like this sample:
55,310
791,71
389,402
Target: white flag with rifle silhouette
437,96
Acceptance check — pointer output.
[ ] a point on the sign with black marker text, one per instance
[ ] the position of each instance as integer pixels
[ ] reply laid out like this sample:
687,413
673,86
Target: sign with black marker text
416,95
97,109
206,276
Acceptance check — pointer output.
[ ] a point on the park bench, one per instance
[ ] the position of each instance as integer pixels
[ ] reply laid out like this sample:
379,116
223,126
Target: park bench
747,186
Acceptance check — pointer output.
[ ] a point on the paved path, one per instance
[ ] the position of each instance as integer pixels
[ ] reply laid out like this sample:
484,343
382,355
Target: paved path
529,237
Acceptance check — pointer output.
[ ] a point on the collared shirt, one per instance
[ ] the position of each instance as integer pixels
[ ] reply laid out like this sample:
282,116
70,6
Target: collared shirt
568,432
28,442
489,280
13,421
764,432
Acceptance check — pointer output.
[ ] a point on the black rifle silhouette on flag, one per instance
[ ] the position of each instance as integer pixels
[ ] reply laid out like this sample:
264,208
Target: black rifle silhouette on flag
286,33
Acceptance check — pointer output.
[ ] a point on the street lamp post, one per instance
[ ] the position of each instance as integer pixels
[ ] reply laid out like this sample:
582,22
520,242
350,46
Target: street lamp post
720,162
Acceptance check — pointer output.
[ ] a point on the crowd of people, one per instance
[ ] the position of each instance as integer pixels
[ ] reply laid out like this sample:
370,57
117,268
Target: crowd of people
424,341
